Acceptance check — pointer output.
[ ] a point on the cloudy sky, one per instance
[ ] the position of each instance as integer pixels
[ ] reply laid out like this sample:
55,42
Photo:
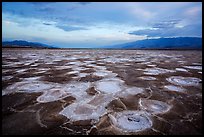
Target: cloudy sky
95,24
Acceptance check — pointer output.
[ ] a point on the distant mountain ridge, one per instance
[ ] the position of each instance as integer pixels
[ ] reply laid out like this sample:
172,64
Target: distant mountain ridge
163,43
23,43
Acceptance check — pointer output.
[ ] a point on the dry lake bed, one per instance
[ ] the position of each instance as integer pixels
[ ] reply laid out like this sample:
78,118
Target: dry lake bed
101,92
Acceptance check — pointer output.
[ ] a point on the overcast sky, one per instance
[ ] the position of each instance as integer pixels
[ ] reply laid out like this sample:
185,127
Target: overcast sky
95,24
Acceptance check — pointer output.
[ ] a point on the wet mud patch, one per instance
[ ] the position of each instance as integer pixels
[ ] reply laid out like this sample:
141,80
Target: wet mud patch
88,70
69,129
48,113
116,105
190,128
160,125
19,120
17,101
132,80
61,62
165,65
57,79
92,91
43,116
90,78
8,72
58,76
130,102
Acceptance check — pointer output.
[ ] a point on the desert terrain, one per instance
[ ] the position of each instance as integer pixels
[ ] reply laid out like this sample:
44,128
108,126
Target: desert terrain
101,92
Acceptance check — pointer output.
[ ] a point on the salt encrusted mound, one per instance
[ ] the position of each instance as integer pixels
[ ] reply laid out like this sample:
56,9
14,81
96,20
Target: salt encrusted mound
147,78
156,71
27,87
154,106
131,121
181,69
130,91
52,95
104,73
184,81
174,88
77,89
109,86
88,109
193,67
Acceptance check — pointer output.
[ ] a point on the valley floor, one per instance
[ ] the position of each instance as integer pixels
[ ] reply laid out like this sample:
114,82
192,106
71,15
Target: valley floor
70,92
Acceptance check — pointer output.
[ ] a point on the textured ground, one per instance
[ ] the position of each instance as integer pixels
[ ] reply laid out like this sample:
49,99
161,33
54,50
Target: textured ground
70,92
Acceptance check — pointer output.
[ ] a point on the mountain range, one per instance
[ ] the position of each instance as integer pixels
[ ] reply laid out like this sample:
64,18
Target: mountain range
25,44
162,43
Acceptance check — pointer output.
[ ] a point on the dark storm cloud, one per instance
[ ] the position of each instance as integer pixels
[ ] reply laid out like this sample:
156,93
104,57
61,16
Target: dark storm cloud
70,28
84,3
48,24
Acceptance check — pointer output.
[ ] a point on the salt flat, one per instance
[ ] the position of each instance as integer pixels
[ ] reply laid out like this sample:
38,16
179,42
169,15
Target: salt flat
133,92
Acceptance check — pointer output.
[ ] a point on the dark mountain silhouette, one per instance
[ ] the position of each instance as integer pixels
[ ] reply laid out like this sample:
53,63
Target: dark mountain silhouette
163,43
25,44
